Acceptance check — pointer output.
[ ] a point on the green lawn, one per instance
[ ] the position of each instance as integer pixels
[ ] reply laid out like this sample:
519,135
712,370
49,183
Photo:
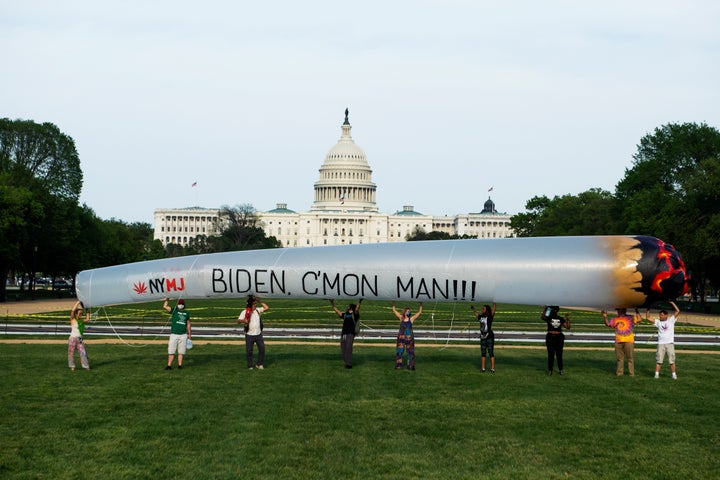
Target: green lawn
305,416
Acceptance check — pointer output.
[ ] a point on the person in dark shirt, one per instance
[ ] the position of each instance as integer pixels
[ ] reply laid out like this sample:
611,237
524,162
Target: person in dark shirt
351,324
487,337
555,338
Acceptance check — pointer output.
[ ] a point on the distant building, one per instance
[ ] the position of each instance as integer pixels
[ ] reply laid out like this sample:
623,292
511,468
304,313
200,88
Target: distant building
344,211
180,225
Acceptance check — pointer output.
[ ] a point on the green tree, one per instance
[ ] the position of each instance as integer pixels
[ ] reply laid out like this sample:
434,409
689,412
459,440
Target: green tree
525,224
419,234
39,171
588,213
242,230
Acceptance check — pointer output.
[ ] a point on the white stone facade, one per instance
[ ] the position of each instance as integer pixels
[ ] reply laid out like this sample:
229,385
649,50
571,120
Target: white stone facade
344,211
180,225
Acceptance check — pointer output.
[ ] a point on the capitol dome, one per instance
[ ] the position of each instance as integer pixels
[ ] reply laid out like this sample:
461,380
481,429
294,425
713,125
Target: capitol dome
345,177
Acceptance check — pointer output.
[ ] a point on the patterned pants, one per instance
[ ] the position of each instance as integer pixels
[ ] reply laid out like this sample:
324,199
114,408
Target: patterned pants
76,343
405,343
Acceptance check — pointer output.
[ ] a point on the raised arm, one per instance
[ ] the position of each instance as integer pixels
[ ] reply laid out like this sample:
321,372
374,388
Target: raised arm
337,310
677,310
397,314
605,317
166,307
417,314
74,309
357,307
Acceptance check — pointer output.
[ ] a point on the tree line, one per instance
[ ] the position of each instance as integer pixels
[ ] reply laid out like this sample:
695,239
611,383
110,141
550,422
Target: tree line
670,191
44,229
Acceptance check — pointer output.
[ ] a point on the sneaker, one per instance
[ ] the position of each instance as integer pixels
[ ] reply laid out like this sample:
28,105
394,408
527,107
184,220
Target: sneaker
411,368
251,368
674,376
348,366
657,375
179,367
168,367
560,372
260,367
492,370
483,370
398,367
549,372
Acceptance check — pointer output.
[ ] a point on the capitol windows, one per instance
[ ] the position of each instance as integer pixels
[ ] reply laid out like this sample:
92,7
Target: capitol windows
325,232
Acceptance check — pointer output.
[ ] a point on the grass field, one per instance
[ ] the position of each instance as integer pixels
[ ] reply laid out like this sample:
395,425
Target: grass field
305,416
318,314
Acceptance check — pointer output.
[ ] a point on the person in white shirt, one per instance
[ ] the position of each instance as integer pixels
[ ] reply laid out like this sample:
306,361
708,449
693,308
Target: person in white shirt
666,338
251,318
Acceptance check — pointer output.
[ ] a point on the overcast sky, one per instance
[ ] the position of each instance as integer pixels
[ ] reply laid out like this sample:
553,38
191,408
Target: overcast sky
447,98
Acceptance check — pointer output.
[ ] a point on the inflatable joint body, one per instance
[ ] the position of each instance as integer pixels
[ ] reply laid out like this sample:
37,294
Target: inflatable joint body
592,271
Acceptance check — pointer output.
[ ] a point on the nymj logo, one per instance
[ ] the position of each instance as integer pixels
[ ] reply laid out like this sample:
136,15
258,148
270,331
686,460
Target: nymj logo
160,285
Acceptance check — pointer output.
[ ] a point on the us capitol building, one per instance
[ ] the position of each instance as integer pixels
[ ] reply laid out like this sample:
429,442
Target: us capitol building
343,212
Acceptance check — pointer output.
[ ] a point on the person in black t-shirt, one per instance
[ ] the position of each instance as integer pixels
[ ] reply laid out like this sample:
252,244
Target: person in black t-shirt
351,322
555,339
487,337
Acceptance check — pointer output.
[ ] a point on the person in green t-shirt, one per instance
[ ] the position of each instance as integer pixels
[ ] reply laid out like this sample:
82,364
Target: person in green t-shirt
180,332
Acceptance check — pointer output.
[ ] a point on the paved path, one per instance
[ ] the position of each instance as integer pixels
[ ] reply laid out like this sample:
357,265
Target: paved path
148,334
